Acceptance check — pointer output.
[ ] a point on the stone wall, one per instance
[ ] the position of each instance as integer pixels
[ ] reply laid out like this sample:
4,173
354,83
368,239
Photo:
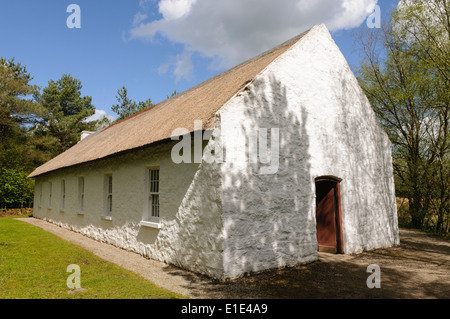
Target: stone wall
326,127
190,207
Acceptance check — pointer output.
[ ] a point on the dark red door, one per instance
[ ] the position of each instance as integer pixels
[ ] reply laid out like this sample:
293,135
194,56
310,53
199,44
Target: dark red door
328,216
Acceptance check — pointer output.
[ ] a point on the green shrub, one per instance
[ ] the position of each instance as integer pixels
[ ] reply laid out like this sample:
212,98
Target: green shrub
16,190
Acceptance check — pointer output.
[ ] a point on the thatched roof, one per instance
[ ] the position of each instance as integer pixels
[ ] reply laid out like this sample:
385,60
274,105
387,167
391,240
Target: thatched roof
157,123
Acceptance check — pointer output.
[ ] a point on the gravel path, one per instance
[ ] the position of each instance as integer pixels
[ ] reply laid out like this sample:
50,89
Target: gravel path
418,268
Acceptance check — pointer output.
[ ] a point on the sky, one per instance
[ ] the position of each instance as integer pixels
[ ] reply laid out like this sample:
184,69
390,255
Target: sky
154,47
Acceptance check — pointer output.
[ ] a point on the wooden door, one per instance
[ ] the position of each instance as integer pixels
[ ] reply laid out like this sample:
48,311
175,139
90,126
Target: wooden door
328,217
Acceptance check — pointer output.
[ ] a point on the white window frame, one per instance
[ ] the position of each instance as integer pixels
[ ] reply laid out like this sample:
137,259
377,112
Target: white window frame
152,210
108,191
40,194
63,194
81,192
50,190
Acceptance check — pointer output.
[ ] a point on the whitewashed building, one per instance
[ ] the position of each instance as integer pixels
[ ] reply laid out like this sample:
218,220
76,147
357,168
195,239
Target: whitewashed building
326,182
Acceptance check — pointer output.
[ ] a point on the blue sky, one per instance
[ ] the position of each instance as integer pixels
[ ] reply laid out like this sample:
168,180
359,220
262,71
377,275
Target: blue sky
154,47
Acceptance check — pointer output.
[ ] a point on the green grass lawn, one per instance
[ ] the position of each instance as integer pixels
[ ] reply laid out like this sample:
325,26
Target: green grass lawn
33,265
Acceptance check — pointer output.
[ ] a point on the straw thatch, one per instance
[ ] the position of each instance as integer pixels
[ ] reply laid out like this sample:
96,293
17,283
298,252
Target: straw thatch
158,122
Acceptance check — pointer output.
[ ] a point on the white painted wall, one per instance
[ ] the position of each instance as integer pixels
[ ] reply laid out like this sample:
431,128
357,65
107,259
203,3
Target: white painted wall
327,127
190,208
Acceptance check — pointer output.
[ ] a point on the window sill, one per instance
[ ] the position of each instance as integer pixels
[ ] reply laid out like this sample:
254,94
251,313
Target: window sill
61,211
80,213
151,224
106,217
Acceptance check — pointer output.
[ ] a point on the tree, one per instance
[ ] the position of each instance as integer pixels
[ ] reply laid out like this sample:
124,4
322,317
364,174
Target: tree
143,105
16,190
127,106
405,74
35,126
17,111
425,25
64,116
15,108
174,93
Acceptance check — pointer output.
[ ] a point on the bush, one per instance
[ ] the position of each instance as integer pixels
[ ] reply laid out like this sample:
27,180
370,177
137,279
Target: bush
404,218
16,212
16,190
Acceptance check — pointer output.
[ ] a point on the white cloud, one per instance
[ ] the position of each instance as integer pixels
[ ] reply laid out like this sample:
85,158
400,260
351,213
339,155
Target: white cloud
183,66
138,18
144,4
232,31
164,68
175,9
99,115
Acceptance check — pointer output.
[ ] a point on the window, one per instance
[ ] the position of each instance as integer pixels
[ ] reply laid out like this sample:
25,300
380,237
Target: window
151,213
153,198
63,194
50,194
40,195
81,194
109,189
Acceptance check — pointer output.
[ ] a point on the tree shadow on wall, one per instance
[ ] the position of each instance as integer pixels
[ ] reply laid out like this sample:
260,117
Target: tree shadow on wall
269,220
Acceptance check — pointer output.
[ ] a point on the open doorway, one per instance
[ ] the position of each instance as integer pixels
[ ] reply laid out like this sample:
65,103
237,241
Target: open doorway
328,215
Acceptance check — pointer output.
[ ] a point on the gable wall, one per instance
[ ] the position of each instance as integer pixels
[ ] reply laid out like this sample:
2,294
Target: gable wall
327,127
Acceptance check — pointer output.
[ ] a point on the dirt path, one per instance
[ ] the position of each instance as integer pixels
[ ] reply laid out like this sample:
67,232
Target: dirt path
418,268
